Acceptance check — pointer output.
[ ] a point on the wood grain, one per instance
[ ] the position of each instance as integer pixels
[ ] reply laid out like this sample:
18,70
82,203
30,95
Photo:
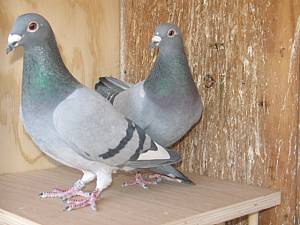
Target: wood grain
88,36
240,54
205,203
253,219
7,218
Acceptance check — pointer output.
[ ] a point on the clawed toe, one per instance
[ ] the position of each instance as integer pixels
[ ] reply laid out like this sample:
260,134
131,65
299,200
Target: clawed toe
76,204
160,177
152,179
139,180
64,194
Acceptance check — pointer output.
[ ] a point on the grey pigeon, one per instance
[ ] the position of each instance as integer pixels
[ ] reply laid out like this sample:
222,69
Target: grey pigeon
167,104
73,124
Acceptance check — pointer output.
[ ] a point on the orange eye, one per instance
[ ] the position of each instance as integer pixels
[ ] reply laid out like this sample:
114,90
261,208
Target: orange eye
33,26
171,32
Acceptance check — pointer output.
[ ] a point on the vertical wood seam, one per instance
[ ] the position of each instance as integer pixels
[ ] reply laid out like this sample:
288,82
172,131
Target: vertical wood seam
122,40
295,68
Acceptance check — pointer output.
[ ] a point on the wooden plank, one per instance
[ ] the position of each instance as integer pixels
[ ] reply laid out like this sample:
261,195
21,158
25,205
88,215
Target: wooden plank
231,212
208,202
7,218
88,36
295,68
239,53
253,219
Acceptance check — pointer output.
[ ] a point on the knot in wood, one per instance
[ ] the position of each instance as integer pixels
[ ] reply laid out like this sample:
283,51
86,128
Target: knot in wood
209,81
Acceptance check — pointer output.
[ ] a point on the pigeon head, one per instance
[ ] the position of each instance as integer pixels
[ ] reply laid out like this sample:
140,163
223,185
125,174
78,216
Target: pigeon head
167,36
28,30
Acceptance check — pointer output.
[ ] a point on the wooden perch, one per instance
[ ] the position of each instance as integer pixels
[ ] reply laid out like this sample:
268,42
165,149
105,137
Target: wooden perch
207,202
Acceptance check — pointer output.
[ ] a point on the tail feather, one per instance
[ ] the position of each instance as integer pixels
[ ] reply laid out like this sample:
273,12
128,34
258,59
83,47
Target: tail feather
115,83
110,87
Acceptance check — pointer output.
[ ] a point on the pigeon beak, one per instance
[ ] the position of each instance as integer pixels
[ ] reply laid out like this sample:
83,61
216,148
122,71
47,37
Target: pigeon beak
155,41
12,42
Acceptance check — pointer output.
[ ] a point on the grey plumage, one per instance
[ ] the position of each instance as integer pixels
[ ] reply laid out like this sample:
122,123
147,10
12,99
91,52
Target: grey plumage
167,104
71,123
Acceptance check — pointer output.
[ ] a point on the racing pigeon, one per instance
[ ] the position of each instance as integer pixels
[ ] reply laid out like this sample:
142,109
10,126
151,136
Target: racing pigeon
167,104
72,123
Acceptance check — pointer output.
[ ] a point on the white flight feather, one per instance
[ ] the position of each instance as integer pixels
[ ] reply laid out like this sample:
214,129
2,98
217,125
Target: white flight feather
160,153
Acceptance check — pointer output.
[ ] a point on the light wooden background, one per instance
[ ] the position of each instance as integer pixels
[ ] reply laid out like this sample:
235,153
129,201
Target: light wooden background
243,56
240,53
88,36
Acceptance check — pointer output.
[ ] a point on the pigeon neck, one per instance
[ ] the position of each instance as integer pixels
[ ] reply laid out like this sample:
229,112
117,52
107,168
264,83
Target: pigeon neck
170,74
45,77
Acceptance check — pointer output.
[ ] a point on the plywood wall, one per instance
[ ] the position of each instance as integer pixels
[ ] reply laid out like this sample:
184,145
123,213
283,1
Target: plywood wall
295,68
88,36
243,55
240,53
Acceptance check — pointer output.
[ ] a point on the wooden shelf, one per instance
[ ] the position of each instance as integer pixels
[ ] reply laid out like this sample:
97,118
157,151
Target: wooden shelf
207,202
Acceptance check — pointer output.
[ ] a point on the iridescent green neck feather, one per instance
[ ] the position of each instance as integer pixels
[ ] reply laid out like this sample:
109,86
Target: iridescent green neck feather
46,80
170,75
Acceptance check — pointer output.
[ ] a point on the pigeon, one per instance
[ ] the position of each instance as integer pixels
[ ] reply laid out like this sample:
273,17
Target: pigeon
72,123
167,104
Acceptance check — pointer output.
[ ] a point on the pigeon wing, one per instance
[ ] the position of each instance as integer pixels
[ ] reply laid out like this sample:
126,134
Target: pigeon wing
100,133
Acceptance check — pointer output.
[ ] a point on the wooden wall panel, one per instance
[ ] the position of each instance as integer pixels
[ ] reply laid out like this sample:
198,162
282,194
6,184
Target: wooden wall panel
295,68
240,54
88,35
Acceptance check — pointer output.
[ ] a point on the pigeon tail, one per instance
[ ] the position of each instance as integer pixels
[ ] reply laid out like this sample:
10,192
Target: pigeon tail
110,87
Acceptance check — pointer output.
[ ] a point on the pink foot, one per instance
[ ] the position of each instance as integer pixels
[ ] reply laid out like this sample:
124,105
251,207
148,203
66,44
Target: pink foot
160,177
65,194
91,200
140,181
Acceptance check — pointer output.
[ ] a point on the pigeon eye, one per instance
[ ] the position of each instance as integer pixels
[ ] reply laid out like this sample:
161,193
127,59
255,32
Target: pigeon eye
171,32
32,27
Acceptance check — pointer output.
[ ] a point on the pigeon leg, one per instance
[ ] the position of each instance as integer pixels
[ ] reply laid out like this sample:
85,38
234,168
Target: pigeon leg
106,178
139,180
75,190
